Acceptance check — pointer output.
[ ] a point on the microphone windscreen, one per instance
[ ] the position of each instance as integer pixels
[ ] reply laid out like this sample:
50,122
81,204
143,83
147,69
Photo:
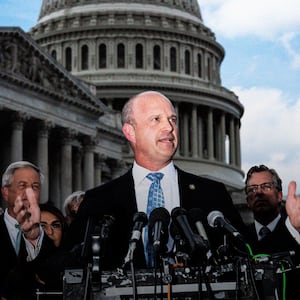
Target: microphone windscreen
177,211
212,216
196,214
159,214
140,217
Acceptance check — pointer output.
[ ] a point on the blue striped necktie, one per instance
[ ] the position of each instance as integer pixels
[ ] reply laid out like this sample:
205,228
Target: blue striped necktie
18,239
155,199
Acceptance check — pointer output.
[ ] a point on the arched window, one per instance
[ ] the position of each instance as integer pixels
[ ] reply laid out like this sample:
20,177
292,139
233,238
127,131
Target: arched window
84,57
187,62
139,62
208,69
68,58
121,56
199,65
173,60
156,57
102,56
53,54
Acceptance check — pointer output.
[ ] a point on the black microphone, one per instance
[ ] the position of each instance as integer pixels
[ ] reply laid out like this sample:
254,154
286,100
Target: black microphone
179,217
283,254
195,216
140,220
159,220
216,219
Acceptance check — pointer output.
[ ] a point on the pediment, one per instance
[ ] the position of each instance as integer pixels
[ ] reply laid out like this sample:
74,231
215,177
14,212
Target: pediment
25,64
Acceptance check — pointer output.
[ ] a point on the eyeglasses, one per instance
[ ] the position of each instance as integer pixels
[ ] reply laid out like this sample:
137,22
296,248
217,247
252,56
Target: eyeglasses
54,225
265,187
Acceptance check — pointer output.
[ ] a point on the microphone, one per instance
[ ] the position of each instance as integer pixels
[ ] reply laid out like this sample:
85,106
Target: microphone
196,215
179,217
140,220
283,254
216,219
159,220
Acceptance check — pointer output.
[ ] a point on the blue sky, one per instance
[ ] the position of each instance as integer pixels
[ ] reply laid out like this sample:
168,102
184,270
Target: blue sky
261,39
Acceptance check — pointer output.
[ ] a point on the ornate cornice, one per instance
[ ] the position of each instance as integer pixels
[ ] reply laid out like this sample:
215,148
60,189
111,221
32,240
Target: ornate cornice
25,64
50,6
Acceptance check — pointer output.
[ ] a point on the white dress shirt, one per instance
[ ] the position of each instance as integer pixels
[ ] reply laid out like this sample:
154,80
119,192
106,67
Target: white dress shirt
13,232
169,185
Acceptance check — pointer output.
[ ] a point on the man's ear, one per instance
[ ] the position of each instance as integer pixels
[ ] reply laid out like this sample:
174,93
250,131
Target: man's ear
129,132
280,196
4,191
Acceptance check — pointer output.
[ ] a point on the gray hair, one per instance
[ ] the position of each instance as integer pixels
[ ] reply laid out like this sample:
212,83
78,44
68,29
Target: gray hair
8,175
262,168
127,112
74,197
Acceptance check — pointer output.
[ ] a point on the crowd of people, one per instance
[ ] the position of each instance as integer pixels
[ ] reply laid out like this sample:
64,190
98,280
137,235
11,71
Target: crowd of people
39,241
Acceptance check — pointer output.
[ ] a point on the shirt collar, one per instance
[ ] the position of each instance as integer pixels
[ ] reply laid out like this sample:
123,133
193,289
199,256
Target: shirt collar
271,225
139,173
9,219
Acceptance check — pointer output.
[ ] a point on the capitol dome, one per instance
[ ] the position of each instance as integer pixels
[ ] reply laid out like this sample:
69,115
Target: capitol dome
126,47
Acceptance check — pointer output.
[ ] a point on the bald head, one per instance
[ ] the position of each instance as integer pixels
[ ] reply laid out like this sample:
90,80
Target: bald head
128,109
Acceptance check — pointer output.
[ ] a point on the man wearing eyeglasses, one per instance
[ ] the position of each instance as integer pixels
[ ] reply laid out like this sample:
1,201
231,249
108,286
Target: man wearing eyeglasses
271,234
23,242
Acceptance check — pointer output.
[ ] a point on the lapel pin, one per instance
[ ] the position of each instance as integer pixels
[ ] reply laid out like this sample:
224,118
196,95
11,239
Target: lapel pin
192,187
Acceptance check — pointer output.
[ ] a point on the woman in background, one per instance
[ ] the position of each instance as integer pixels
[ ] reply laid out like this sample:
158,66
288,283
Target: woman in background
53,223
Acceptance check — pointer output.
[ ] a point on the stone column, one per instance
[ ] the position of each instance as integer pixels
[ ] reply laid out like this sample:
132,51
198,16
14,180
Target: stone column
99,163
42,158
66,164
200,137
231,142
222,137
238,144
78,169
195,136
17,136
185,137
88,165
210,134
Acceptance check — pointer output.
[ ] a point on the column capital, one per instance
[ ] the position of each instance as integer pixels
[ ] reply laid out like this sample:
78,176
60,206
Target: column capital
67,135
44,127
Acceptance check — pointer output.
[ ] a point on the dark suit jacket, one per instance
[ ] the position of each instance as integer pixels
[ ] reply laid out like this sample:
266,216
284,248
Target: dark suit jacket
17,276
279,240
117,198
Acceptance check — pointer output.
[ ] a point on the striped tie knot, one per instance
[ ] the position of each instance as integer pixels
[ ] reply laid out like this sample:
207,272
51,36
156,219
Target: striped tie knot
156,196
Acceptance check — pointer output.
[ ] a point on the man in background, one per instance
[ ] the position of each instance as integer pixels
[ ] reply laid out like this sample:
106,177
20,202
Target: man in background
269,234
23,243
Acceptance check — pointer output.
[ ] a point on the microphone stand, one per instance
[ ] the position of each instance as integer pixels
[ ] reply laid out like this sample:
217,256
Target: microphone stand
96,269
129,259
133,278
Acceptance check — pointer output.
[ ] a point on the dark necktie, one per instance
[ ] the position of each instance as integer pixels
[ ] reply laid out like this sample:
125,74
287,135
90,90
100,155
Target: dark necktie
264,231
155,199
